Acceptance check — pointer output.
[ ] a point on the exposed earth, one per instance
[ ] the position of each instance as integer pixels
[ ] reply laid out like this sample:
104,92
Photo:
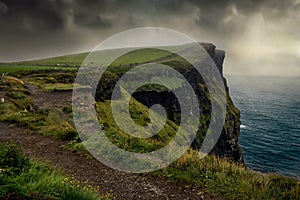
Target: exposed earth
84,167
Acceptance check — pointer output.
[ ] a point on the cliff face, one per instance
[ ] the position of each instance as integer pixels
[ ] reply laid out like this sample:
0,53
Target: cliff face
227,145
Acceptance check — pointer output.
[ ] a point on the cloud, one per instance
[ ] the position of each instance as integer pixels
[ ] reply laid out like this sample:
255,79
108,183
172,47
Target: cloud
252,32
3,8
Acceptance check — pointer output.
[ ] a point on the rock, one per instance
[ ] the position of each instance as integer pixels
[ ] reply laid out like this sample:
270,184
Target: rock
219,59
210,48
227,145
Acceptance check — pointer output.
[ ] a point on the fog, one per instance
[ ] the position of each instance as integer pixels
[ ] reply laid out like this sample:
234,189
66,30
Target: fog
259,37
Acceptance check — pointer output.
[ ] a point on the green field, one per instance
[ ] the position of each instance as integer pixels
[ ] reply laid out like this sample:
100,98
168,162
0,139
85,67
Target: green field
218,176
135,56
13,68
141,56
72,62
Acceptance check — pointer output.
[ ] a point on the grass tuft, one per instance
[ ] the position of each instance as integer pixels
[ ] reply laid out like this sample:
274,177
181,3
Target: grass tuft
38,181
230,180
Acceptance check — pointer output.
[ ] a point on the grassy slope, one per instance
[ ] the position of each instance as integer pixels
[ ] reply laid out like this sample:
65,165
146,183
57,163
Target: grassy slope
4,68
28,178
220,176
230,180
73,59
140,114
69,62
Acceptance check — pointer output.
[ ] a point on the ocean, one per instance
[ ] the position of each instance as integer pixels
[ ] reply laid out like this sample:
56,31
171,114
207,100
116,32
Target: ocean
270,115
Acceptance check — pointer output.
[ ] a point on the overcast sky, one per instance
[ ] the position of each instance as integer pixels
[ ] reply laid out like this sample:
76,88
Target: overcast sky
259,37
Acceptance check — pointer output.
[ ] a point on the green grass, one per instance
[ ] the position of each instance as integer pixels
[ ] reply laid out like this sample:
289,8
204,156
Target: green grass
72,61
219,176
18,109
13,68
28,178
230,180
140,115
141,56
50,124
55,126
137,56
66,60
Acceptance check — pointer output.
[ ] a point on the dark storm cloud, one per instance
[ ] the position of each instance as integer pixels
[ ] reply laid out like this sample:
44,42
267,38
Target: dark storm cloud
261,29
30,15
37,15
213,14
50,15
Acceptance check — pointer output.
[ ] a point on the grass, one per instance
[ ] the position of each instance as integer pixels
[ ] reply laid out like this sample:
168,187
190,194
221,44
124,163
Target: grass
27,178
140,56
140,115
55,126
50,124
18,109
69,61
66,60
216,175
230,180
13,68
53,81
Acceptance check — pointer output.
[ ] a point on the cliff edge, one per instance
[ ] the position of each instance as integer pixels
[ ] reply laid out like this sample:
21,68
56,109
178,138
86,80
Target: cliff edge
227,145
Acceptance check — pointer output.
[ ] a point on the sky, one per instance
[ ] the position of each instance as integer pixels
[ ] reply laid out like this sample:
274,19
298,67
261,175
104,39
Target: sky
260,37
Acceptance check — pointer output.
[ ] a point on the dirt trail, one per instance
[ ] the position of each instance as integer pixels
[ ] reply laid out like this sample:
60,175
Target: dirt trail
49,100
124,185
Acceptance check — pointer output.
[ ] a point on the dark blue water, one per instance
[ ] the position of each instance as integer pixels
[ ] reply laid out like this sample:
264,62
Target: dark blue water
270,115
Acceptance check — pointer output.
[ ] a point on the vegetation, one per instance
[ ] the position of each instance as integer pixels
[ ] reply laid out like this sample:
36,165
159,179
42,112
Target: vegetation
60,61
53,80
13,68
69,61
19,109
26,178
140,115
230,180
140,56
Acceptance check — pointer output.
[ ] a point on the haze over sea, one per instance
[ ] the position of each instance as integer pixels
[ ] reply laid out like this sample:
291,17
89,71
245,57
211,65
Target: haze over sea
270,115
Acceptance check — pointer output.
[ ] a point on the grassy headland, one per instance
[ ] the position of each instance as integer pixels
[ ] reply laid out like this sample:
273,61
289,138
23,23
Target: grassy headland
25,177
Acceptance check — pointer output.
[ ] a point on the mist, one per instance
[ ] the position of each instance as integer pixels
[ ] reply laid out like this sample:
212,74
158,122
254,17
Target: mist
259,37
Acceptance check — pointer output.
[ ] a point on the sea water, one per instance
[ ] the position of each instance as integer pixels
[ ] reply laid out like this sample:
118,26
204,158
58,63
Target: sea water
270,116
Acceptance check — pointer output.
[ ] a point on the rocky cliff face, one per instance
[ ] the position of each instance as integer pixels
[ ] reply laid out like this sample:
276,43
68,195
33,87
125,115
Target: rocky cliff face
227,145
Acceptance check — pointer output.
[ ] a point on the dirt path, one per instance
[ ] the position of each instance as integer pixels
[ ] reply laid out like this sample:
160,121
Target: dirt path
49,100
124,185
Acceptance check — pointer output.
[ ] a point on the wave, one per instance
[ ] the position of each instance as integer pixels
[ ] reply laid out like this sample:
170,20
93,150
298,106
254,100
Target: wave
243,126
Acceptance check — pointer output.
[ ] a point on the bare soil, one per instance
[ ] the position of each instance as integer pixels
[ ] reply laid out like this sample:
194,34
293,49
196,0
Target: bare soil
82,167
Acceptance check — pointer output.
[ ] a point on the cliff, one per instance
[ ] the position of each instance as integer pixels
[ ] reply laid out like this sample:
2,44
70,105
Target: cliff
227,145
